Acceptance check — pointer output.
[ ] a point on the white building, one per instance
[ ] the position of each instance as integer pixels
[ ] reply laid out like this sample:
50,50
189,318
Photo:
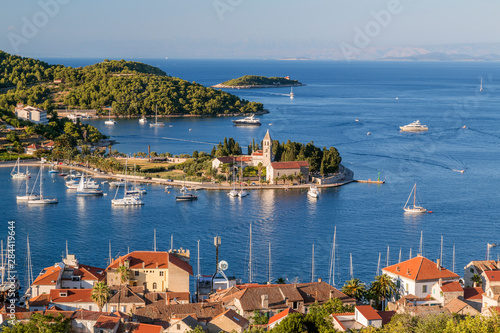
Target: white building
35,115
416,276
491,296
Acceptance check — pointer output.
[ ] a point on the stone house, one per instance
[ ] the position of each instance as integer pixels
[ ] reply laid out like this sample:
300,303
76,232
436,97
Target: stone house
228,321
478,267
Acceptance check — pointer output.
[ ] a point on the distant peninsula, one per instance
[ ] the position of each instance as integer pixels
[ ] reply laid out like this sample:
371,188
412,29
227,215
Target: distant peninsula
255,81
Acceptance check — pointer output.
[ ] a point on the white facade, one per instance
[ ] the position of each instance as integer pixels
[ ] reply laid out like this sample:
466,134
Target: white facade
408,286
36,115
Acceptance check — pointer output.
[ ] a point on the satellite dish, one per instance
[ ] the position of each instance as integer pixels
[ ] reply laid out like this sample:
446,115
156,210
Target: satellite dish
223,265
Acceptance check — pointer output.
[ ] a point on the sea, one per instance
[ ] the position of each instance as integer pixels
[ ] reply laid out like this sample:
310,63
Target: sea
356,107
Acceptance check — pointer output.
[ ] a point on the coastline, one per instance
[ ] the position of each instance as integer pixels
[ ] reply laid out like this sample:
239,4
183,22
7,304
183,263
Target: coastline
222,86
194,186
239,114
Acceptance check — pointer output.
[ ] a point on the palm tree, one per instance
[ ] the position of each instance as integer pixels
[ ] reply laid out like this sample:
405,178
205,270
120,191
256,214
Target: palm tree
284,178
100,294
276,180
123,272
478,281
354,288
281,280
384,287
291,178
300,175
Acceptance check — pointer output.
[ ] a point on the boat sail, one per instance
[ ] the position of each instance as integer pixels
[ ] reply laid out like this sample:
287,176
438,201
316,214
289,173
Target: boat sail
413,208
127,200
16,172
41,200
233,193
27,196
84,188
156,123
29,273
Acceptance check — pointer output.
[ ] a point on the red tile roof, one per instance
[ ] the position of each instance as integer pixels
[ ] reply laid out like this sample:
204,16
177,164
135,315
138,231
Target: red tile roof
280,315
368,312
146,328
74,296
492,275
453,286
40,300
89,273
48,277
473,293
107,322
420,269
289,165
151,259
81,314
386,316
233,316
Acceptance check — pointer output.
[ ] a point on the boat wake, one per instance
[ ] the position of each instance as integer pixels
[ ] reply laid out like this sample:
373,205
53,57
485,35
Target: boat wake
202,142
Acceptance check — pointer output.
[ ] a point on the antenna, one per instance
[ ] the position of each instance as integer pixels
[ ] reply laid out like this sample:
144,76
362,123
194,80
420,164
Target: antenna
453,267
378,265
441,252
154,241
312,265
351,270
421,248
387,256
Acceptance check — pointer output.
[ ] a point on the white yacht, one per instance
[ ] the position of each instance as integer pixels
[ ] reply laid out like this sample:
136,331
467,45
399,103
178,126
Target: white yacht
313,192
88,188
127,200
186,197
413,208
247,121
415,126
109,121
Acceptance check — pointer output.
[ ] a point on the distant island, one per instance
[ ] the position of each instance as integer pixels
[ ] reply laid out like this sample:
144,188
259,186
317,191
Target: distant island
255,81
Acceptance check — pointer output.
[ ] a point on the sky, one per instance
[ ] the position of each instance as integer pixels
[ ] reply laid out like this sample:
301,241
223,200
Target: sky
246,29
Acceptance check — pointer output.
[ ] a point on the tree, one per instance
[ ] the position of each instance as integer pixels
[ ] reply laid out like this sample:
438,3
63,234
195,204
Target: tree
100,294
384,287
40,323
281,280
259,168
478,281
293,323
354,288
259,318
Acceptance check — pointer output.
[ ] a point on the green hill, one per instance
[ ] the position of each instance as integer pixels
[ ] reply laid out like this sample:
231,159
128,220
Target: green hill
255,80
131,88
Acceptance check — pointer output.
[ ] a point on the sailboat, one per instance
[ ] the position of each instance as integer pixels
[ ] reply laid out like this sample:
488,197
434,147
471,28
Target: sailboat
413,208
156,123
481,87
84,188
292,95
127,200
41,200
233,193
27,196
109,121
135,190
16,172
29,273
242,193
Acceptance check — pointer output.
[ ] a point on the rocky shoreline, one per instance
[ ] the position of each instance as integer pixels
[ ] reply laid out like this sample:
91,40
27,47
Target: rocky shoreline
222,86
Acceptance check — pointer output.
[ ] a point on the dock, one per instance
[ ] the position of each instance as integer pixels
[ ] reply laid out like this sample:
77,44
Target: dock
369,181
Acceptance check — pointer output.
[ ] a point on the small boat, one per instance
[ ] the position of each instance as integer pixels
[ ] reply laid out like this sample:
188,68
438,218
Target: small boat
156,123
368,133
109,121
143,120
168,188
117,183
41,200
313,192
86,188
415,126
292,95
127,200
62,174
356,119
186,197
53,170
247,121
16,172
413,208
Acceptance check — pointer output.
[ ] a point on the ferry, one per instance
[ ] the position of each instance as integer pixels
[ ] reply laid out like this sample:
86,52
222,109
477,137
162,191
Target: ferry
415,126
247,121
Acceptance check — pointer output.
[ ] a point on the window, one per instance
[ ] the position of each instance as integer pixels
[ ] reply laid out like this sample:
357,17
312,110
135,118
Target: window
154,285
441,294
136,273
145,285
472,270
124,308
398,283
113,309
295,306
90,307
407,288
424,289
161,273
178,327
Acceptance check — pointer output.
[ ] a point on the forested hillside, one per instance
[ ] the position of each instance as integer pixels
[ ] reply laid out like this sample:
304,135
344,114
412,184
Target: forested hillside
130,88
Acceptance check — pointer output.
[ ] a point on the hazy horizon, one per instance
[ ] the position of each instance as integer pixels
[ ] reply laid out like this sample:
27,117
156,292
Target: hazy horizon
241,29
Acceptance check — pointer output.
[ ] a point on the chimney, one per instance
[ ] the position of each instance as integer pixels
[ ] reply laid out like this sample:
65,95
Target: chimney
320,280
143,265
332,294
440,282
438,264
265,301
156,264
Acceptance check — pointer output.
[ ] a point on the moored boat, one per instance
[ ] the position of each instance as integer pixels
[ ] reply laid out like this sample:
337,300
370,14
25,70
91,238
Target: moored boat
415,126
313,192
247,121
413,208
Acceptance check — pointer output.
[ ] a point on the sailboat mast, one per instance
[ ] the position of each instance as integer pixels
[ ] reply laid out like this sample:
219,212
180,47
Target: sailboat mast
171,242
378,264
312,264
198,262
453,266
41,177
351,269
410,252
110,252
421,248
250,258
414,194
399,256
331,279
154,240
387,256
269,277
441,251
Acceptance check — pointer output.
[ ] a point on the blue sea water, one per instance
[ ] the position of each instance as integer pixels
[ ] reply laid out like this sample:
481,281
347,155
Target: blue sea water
369,218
